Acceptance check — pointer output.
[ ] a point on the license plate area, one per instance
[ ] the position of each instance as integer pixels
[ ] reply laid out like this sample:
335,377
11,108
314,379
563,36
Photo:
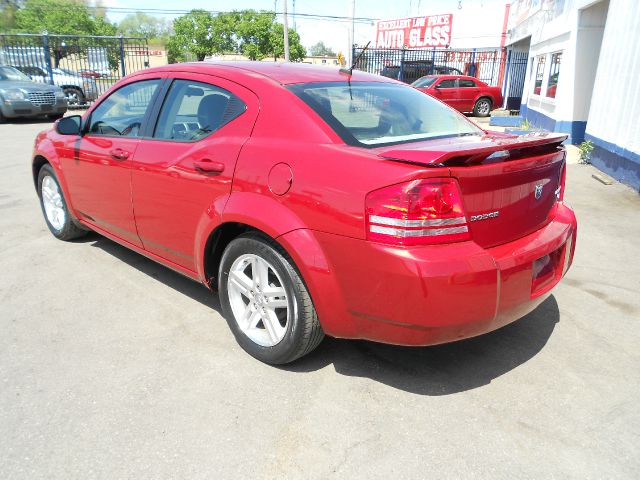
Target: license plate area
46,108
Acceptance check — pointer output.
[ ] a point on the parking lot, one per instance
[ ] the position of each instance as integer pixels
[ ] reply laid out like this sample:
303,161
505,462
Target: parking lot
112,366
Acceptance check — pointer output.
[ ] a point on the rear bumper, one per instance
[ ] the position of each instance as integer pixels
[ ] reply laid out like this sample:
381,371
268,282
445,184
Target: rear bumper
433,294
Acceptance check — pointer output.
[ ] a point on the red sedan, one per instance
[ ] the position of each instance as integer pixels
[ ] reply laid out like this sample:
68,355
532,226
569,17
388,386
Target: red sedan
465,94
315,201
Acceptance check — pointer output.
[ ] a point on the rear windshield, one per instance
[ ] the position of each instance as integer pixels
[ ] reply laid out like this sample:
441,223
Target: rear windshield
424,82
372,114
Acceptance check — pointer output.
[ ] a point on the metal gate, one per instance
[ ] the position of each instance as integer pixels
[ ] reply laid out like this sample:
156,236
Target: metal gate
515,80
408,65
84,66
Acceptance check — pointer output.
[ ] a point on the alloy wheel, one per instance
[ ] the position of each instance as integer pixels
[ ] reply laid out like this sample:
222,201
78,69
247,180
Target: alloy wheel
483,107
258,300
52,201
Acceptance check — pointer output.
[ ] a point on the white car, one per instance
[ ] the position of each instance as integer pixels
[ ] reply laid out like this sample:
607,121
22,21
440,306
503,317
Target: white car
78,89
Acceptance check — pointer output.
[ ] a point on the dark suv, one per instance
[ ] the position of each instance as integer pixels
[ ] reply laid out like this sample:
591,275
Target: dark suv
414,70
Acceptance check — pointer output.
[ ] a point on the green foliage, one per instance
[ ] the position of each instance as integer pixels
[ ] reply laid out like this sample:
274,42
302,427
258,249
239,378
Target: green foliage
141,24
296,50
8,10
321,50
254,34
585,149
526,125
200,34
65,17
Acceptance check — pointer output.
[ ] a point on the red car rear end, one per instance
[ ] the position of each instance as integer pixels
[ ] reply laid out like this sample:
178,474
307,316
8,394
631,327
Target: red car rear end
316,202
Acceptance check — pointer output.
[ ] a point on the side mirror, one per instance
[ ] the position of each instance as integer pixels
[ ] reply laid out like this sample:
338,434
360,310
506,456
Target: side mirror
69,125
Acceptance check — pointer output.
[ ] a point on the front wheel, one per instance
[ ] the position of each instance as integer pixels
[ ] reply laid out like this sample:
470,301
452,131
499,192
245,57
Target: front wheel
482,108
265,301
54,206
74,96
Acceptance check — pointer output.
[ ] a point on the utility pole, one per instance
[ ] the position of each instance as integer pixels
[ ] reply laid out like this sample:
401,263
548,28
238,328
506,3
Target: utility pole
286,32
294,15
352,7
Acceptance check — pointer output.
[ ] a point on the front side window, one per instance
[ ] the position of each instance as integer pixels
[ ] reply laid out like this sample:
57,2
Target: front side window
537,87
451,83
424,82
193,110
371,114
554,73
122,112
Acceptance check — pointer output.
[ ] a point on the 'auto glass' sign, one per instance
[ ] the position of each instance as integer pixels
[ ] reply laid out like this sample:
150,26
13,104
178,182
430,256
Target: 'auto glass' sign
417,32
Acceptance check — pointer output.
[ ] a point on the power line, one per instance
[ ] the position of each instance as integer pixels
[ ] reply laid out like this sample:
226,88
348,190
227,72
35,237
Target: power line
176,11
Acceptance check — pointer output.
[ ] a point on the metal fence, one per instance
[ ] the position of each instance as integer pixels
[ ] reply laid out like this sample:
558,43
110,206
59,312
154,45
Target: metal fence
84,66
499,67
515,78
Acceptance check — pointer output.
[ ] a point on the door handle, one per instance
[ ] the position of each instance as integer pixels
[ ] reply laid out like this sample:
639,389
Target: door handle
209,167
119,154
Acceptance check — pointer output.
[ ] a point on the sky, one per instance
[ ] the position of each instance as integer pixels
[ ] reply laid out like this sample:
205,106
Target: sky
333,33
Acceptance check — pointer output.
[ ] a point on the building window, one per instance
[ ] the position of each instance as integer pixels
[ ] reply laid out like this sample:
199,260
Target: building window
554,72
537,86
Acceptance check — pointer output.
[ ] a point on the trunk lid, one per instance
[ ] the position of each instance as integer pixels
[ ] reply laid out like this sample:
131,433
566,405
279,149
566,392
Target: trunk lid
509,184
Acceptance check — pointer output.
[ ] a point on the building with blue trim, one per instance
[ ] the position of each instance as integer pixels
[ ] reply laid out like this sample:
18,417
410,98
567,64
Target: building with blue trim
582,75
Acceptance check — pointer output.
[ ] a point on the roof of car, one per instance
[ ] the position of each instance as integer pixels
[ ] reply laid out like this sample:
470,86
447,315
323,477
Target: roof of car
281,72
452,76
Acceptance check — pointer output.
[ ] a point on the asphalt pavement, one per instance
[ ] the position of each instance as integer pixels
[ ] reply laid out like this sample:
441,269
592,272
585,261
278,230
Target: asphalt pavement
112,366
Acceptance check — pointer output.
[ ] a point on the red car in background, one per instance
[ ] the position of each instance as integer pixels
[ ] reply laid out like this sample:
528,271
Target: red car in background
314,201
465,94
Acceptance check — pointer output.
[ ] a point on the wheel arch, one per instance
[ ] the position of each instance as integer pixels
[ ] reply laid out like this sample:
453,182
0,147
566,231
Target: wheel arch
484,95
39,161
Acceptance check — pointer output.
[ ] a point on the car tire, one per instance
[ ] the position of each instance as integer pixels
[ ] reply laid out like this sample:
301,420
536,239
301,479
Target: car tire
56,116
74,96
54,206
482,107
3,119
273,334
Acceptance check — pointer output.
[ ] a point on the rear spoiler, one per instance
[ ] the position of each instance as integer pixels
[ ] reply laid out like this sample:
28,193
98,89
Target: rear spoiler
490,148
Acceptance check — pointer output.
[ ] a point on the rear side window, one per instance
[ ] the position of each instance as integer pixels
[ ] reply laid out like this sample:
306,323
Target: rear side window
466,83
193,110
122,112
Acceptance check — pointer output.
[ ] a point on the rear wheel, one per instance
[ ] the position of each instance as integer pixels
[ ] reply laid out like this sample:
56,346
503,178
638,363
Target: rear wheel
54,207
74,95
265,301
482,108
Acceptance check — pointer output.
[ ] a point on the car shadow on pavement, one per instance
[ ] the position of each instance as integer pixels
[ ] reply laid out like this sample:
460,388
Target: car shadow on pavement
437,370
163,274
441,369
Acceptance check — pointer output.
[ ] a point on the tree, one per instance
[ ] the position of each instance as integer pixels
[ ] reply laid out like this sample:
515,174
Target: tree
296,50
64,17
200,34
254,34
321,50
8,10
144,25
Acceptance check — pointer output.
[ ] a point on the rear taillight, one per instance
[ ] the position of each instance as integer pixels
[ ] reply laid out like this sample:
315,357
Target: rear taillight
420,212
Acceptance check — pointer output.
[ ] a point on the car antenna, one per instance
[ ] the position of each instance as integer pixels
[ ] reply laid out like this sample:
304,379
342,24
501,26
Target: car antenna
349,71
